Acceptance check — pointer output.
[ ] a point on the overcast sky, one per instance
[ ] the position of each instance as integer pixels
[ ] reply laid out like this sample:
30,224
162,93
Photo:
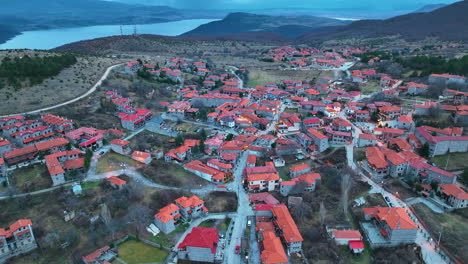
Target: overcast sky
318,4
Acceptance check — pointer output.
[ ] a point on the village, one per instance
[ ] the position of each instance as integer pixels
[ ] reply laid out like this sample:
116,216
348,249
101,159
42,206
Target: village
249,174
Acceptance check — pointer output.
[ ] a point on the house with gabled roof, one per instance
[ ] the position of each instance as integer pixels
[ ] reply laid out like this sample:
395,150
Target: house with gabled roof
453,195
100,256
393,223
289,233
200,245
183,208
121,146
17,239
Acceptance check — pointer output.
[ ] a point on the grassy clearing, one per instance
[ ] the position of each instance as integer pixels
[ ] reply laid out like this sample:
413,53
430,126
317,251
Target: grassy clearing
171,174
169,240
452,225
90,184
370,87
455,161
134,252
257,77
218,202
31,178
111,161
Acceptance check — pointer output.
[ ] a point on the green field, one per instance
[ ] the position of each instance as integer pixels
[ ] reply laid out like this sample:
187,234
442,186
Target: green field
111,161
135,252
257,77
31,178
455,161
370,87
452,225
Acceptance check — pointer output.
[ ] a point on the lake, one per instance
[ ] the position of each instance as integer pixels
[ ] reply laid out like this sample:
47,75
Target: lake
48,39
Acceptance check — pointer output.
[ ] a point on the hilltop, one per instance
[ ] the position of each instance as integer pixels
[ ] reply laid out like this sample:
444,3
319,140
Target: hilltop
446,23
287,26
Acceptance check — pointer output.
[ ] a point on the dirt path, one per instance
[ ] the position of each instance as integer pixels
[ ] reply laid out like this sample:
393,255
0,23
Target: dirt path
90,91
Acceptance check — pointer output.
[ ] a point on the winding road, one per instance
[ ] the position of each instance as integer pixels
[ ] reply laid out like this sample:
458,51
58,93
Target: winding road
90,91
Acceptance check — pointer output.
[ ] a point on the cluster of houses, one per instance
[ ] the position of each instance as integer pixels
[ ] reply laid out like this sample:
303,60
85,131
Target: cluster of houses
52,140
131,118
182,210
311,57
277,231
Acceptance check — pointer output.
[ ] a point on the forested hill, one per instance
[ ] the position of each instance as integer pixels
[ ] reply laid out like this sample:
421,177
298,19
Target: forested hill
15,71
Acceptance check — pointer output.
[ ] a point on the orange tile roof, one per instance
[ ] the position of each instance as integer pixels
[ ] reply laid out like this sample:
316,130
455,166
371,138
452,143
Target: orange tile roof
116,180
165,214
273,251
393,157
191,202
299,167
454,190
120,142
263,177
395,217
96,254
251,159
74,163
376,158
140,156
347,234
316,133
285,222
46,145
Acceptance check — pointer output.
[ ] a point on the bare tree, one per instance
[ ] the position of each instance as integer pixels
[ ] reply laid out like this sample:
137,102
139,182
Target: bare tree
139,216
107,219
322,214
345,186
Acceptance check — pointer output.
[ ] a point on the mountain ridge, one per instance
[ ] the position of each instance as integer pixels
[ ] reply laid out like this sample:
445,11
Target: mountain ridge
446,23
287,26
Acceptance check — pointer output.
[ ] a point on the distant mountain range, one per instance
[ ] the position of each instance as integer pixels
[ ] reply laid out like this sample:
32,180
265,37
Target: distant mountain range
447,23
287,26
429,8
46,14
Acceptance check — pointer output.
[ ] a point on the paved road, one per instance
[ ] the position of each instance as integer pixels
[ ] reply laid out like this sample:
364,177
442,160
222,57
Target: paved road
90,91
243,211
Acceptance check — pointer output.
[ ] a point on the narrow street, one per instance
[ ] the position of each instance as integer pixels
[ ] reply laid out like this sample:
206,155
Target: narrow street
243,210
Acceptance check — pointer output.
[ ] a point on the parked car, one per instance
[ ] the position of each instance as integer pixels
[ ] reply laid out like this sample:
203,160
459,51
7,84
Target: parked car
101,153
237,249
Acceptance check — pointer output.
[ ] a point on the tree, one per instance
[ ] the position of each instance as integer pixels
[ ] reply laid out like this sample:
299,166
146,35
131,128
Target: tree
322,214
139,216
88,156
345,186
179,140
202,134
434,185
229,137
106,217
464,176
424,151
434,112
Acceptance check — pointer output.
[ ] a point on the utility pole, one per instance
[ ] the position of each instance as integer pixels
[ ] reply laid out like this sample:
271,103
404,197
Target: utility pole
446,164
440,235
121,30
